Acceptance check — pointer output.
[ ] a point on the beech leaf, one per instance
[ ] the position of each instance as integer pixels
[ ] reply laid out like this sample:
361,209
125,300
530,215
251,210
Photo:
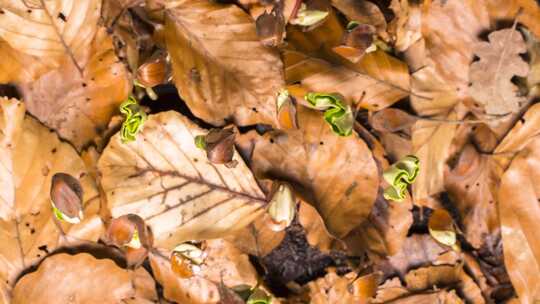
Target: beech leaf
213,72
30,156
166,180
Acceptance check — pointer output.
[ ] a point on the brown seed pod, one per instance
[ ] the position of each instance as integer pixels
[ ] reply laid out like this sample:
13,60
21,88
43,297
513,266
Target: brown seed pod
66,196
286,111
356,42
186,260
271,27
152,72
220,145
129,230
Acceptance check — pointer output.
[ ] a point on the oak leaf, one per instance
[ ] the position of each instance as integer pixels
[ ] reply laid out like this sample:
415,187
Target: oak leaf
165,179
491,75
220,67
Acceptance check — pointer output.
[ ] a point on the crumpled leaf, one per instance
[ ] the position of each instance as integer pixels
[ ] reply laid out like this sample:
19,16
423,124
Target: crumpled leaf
519,213
341,289
38,31
133,121
491,85
30,156
399,176
320,167
213,72
165,179
81,278
308,17
77,106
338,115
257,238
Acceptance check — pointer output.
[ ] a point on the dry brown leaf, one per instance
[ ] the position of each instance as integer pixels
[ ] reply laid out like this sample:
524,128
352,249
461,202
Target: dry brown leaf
491,84
377,81
386,229
213,71
80,108
472,185
418,250
519,212
407,24
224,264
362,11
194,290
316,233
393,127
439,297
81,278
524,131
164,178
527,12
257,238
322,167
51,30
342,289
30,156
228,264
431,142
18,67
533,50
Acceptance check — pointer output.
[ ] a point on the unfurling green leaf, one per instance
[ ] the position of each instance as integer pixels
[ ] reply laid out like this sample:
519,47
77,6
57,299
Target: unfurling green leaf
135,118
352,25
399,176
337,113
306,17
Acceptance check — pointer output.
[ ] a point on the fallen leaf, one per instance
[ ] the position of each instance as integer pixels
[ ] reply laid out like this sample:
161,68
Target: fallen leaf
194,290
313,157
519,217
533,50
81,278
491,85
527,12
165,179
257,238
375,82
440,297
472,185
18,67
407,24
442,228
30,156
431,142
79,107
214,74
333,289
64,29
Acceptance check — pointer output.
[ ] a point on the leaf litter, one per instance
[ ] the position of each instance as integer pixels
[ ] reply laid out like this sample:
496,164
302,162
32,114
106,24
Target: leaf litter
284,151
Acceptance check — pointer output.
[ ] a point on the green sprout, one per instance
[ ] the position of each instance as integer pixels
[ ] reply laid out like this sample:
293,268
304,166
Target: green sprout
258,296
399,176
200,142
135,118
337,113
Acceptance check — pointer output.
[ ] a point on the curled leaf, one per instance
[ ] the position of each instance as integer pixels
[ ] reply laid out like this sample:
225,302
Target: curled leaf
286,111
307,17
442,229
135,118
399,176
66,198
186,260
218,144
282,206
337,114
